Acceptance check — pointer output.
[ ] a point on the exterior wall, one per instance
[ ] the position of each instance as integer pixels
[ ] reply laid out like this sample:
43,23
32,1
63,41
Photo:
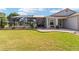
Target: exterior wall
71,23
78,21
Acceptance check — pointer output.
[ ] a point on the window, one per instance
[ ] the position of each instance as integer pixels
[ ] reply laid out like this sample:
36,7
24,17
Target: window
51,22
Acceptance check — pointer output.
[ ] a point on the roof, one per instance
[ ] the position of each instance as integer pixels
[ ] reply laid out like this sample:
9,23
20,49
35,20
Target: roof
38,16
29,16
64,13
76,14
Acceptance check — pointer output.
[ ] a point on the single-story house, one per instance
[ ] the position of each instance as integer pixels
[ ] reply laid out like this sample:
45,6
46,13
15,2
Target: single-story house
63,19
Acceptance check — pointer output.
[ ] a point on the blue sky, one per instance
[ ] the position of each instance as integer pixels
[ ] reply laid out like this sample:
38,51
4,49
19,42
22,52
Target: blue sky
34,11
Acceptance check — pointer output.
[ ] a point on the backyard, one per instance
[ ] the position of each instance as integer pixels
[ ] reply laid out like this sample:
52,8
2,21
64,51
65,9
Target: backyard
32,40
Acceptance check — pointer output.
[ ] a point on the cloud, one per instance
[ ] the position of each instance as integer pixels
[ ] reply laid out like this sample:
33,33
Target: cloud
29,10
22,13
38,15
55,10
75,9
2,9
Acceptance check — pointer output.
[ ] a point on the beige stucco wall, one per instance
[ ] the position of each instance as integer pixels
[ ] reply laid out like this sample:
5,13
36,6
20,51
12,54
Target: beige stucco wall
71,23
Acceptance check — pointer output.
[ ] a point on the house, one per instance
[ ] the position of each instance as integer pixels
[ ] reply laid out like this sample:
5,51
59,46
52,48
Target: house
66,18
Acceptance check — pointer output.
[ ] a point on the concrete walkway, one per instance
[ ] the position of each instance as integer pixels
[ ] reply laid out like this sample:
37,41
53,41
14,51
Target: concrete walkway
59,30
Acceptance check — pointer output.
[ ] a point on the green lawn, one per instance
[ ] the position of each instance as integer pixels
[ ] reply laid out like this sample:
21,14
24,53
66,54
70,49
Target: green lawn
34,40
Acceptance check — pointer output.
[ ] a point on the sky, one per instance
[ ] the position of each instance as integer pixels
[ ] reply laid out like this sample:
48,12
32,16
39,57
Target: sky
31,11
36,7
34,11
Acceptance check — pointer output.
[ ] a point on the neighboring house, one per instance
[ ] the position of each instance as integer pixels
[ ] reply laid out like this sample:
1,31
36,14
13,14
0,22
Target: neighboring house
64,19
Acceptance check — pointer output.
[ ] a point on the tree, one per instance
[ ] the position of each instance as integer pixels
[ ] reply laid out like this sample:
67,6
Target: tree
11,21
2,20
12,14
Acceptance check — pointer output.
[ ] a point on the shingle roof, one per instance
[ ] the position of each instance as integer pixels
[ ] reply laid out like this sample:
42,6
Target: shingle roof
76,14
64,13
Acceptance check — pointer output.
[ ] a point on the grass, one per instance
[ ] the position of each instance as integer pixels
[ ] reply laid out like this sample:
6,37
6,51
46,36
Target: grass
30,40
